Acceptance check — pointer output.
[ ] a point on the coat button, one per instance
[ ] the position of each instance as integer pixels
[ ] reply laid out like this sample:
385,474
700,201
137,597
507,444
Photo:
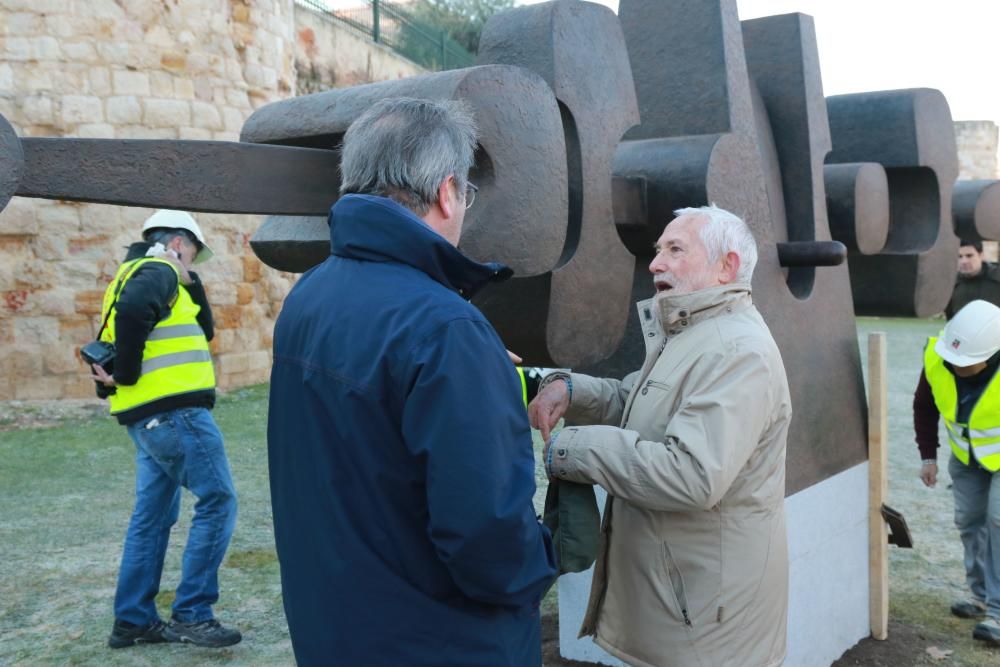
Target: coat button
645,390
561,452
683,313
684,323
651,334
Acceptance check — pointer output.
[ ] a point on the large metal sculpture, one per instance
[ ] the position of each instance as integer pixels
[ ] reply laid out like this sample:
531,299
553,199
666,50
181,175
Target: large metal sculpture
594,128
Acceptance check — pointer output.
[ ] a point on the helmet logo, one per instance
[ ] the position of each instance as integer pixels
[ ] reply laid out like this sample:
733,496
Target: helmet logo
955,344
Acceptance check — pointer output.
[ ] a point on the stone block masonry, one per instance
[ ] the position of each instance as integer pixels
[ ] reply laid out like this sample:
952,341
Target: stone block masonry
146,69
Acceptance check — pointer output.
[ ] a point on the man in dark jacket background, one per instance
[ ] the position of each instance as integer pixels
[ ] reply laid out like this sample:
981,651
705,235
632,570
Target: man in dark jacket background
401,465
977,278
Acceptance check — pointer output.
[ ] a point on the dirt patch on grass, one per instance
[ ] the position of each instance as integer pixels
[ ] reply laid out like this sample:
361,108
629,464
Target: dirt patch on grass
906,645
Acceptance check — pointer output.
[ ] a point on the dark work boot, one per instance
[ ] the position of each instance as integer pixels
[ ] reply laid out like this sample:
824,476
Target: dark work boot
969,608
208,633
125,634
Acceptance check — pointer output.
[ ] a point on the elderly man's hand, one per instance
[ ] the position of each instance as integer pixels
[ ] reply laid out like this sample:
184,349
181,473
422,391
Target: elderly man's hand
549,407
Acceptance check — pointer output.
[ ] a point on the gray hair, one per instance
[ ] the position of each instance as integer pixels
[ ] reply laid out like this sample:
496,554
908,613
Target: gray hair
403,148
725,232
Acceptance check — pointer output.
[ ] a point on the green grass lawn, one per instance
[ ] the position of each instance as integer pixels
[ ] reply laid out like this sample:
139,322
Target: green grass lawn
65,499
66,495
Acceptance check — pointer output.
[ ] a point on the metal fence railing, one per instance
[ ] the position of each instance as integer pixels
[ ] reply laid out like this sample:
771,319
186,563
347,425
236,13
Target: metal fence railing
391,24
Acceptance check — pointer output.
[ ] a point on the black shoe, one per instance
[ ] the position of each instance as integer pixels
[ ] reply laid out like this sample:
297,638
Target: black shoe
125,634
969,608
208,633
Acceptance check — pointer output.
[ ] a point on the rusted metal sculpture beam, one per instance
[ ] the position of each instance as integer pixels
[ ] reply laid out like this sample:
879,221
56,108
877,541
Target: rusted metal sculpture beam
209,176
910,133
11,162
976,210
520,212
579,50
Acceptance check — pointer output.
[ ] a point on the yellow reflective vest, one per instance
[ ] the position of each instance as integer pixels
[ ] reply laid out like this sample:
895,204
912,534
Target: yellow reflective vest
175,359
524,385
982,434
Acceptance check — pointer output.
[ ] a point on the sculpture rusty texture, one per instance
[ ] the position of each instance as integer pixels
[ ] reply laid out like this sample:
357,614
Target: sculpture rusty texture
594,129
721,142
911,134
579,49
521,209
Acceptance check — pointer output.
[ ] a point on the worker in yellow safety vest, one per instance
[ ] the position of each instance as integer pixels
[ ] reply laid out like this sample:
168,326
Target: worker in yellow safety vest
160,385
960,384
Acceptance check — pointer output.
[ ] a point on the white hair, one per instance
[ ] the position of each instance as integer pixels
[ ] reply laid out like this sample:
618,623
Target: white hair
724,232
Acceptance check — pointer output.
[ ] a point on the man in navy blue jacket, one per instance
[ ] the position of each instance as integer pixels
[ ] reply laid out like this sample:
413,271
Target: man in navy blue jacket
402,471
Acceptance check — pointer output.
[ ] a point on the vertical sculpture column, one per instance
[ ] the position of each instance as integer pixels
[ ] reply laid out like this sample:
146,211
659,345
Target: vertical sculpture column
707,87
576,314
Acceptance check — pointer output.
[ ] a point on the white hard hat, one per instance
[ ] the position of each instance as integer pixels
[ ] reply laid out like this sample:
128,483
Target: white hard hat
972,336
167,219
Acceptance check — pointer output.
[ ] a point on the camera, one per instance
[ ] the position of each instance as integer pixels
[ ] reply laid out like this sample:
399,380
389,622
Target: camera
100,353
103,354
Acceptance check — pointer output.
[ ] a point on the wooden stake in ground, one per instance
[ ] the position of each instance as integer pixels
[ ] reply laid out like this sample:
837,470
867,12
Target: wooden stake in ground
878,459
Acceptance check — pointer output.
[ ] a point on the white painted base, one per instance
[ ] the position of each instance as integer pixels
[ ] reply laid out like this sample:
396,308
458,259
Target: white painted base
828,576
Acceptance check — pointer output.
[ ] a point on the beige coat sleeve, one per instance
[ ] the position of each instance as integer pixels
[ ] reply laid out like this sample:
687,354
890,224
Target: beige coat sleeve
726,405
599,400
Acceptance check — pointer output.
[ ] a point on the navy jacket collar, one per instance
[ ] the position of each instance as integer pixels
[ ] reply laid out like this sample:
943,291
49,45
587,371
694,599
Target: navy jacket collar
377,229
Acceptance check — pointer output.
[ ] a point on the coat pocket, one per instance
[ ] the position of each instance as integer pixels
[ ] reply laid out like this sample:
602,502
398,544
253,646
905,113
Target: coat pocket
653,384
675,581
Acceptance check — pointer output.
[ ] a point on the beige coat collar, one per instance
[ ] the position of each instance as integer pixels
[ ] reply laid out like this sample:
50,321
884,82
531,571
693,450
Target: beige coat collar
680,312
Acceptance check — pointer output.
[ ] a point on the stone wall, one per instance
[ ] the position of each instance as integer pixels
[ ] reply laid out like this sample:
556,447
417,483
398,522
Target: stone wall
330,55
143,69
977,149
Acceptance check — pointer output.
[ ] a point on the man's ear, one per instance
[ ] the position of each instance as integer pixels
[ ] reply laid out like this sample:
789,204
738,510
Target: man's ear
444,199
730,267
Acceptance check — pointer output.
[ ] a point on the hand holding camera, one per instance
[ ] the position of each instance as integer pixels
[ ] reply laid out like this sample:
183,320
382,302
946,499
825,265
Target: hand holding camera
100,355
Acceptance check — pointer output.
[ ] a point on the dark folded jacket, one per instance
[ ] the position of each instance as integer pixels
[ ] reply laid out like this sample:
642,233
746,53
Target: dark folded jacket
571,514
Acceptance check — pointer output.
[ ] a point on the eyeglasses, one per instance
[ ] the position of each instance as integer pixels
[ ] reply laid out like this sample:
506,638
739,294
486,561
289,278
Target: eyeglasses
470,194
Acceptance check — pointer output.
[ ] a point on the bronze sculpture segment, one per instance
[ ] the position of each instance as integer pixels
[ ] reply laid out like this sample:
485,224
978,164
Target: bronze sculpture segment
520,212
580,308
857,203
910,133
11,162
976,209
766,168
209,176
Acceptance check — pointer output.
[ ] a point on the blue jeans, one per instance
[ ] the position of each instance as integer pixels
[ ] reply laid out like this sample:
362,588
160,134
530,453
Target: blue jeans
977,516
177,448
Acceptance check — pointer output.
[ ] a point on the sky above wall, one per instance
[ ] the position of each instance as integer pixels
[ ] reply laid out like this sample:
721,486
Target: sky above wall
869,45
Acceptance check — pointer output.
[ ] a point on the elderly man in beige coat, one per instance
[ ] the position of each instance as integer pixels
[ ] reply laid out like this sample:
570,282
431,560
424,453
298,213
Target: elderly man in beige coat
693,564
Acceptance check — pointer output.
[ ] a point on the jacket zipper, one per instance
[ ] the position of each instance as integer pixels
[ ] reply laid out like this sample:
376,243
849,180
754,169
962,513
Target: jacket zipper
677,583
